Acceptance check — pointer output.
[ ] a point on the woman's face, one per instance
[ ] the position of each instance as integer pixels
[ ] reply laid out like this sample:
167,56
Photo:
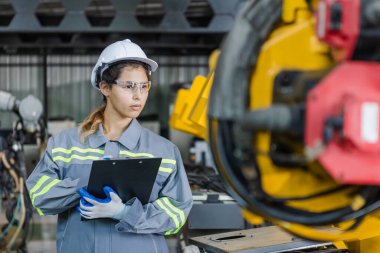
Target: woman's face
125,102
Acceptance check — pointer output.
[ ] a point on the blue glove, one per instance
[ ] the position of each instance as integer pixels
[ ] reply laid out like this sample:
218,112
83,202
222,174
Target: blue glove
91,207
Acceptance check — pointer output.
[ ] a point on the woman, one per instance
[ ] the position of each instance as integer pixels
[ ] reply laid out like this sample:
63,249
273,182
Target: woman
122,75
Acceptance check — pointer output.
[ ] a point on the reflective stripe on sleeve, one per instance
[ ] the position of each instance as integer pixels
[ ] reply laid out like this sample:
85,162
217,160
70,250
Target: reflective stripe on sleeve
38,185
170,161
167,170
169,232
45,189
171,215
177,211
39,211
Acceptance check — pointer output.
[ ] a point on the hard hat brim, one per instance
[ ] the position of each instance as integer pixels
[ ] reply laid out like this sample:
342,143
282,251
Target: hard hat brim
152,64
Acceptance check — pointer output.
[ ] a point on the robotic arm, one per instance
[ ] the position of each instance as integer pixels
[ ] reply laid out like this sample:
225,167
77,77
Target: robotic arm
293,117
13,174
29,109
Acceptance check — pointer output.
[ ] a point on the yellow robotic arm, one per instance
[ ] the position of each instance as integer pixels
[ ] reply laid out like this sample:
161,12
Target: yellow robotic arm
190,110
259,111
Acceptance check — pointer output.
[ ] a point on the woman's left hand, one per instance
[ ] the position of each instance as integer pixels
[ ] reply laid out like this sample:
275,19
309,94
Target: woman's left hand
91,207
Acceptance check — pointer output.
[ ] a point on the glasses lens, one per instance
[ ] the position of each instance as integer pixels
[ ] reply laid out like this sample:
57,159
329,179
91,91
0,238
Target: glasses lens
145,87
131,86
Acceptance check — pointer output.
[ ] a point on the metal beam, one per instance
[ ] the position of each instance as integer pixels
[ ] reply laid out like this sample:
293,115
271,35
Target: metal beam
64,25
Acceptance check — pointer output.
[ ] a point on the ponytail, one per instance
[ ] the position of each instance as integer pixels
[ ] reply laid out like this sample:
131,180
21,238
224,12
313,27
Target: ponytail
91,124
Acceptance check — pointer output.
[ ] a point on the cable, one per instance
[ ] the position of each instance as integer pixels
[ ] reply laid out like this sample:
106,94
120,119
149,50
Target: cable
325,217
204,177
11,171
5,232
1,201
11,164
28,216
278,211
314,195
22,219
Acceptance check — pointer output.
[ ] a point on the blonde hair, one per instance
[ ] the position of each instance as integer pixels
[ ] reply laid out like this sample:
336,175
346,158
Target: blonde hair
91,124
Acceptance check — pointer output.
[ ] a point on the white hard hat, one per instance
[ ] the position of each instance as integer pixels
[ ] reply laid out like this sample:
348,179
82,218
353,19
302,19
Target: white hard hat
123,50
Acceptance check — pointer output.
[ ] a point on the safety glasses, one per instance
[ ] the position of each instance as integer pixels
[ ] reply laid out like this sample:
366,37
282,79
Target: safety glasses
131,86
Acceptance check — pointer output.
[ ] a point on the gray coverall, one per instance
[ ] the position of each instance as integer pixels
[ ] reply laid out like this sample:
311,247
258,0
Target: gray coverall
65,168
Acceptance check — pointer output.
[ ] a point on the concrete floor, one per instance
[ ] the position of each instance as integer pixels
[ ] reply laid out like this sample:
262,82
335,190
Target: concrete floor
39,246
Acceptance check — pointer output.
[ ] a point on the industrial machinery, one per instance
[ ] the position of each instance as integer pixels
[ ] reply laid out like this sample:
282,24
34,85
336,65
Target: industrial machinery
291,111
14,198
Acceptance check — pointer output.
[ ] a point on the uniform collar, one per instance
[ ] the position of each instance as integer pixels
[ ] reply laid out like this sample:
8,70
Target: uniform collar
128,139
97,139
131,136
